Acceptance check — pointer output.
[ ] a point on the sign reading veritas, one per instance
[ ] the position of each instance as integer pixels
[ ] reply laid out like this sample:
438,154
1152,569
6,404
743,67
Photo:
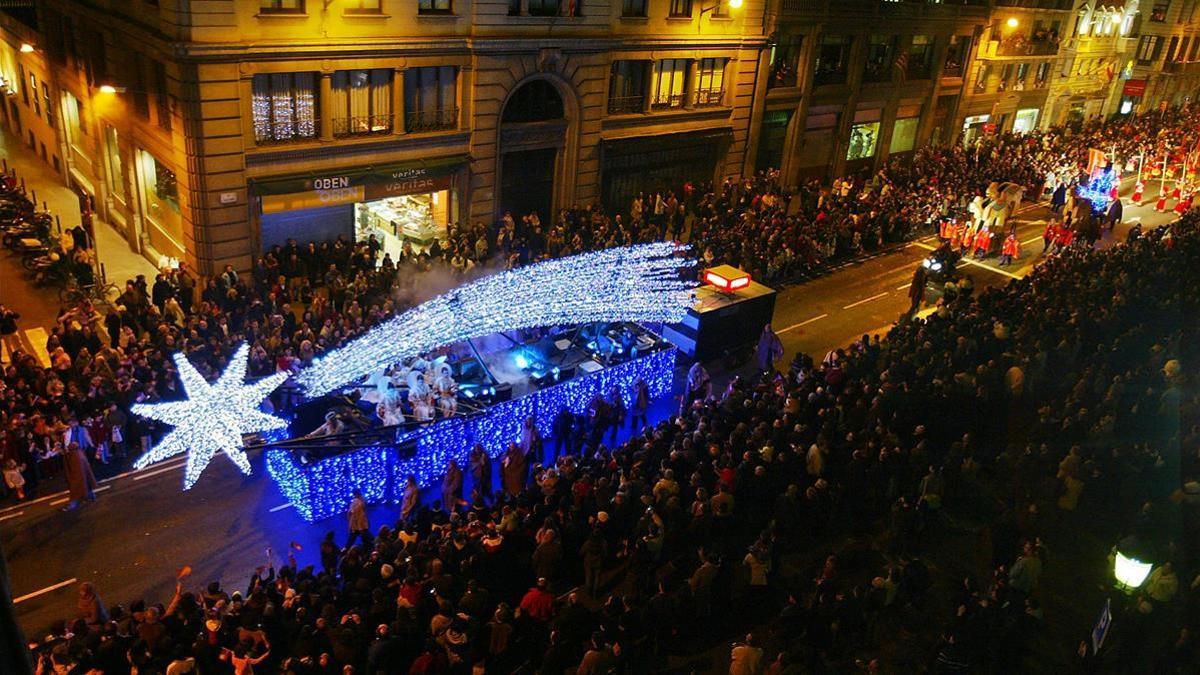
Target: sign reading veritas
332,190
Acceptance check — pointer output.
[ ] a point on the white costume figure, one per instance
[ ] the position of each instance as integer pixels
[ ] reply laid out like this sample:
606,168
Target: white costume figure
390,408
446,389
332,426
419,396
998,215
978,209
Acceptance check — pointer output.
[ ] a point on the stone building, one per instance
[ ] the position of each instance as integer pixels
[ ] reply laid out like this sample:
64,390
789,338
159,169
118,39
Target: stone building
212,129
1164,68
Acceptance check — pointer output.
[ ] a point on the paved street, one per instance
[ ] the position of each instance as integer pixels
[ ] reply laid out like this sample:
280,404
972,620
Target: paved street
143,527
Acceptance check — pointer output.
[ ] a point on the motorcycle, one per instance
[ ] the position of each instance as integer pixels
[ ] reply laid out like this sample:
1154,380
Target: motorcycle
941,265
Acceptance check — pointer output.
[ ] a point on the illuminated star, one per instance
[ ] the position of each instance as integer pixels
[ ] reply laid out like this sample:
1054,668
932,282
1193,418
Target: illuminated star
213,417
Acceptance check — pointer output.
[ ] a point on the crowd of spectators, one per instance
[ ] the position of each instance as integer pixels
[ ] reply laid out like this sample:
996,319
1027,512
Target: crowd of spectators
1050,394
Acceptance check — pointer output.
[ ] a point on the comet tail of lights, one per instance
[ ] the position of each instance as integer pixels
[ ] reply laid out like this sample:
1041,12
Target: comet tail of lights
635,283
213,417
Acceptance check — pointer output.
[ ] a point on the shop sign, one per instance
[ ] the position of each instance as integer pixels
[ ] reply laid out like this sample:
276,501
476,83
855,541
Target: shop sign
305,192
1134,88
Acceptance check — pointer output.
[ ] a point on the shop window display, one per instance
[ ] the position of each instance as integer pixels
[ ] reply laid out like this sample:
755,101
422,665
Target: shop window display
416,219
863,138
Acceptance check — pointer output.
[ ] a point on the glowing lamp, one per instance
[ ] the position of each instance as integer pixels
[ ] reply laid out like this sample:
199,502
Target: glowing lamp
110,89
26,48
1130,572
727,278
735,4
1012,22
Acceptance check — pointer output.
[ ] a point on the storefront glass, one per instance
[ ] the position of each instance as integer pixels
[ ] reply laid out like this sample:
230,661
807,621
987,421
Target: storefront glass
416,219
1025,121
863,139
904,135
160,195
112,155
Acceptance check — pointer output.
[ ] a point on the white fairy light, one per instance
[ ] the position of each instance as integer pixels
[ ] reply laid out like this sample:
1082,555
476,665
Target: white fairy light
635,283
213,418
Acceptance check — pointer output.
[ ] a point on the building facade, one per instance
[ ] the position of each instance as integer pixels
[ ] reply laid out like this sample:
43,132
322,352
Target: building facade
850,83
213,129
1164,68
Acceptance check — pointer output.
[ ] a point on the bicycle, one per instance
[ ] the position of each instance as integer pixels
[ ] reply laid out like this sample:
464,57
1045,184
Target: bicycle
73,291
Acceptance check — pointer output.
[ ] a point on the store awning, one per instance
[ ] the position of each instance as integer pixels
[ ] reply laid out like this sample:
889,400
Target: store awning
358,176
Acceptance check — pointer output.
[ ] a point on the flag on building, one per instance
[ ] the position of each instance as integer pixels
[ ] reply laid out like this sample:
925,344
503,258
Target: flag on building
901,65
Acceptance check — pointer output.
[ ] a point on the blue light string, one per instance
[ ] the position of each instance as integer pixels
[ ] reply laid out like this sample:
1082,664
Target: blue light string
325,487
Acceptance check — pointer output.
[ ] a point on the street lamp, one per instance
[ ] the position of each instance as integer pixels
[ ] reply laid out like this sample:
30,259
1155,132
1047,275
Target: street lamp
110,89
732,4
1012,22
26,48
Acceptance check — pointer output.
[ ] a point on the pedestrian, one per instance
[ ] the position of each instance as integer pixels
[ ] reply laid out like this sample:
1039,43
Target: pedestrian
452,485
1010,250
1138,190
412,499
916,290
641,404
81,482
770,349
360,526
1114,216
14,478
746,658
481,470
8,333
699,386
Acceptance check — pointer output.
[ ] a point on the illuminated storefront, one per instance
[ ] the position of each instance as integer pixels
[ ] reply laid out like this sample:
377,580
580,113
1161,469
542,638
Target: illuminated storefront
411,203
159,193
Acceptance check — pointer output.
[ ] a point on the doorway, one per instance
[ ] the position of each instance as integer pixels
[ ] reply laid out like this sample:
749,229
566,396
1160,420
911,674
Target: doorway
533,130
527,182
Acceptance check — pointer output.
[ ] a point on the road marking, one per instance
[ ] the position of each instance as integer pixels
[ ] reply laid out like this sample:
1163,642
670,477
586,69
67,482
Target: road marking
60,493
47,589
802,323
866,300
904,286
64,500
1031,240
989,268
281,507
10,516
143,475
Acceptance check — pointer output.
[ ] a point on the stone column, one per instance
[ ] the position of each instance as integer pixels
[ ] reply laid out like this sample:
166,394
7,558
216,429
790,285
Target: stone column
325,106
398,114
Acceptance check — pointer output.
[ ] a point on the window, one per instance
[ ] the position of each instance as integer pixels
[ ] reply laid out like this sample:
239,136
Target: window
362,101
681,8
1181,55
956,55
878,66
365,6
1195,48
48,103
141,100
785,54
710,82
544,7
435,7
73,119
284,107
832,54
534,101
514,7
1006,72
863,139
633,8
1159,13
96,60
281,6
1148,49
160,191
431,98
112,156
670,83
1172,47
1043,73
627,87
1022,75
24,90
161,98
982,75
920,57
904,135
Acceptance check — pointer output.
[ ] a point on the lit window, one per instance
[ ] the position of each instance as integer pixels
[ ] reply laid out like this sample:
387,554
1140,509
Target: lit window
681,8
284,107
362,101
281,6
670,83
863,139
363,6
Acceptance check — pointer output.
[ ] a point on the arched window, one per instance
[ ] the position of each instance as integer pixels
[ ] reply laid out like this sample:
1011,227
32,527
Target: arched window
535,101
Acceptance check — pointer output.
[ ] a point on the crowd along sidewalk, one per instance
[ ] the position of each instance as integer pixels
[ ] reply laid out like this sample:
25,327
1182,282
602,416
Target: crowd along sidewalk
38,306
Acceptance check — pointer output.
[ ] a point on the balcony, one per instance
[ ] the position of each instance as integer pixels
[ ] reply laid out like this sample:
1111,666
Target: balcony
668,101
709,98
1023,46
624,105
362,126
418,121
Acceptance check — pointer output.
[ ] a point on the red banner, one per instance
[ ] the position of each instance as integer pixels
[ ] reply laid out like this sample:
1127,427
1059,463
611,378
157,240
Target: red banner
1134,88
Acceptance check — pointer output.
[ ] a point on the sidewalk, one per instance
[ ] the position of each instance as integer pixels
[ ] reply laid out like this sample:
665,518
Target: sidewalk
39,307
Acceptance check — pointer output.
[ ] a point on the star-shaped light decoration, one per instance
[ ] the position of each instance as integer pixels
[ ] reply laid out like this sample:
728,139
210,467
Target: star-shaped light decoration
213,417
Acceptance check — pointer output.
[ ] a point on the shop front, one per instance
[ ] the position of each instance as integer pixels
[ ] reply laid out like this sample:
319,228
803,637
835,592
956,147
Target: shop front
159,194
1132,94
405,203
973,127
1025,121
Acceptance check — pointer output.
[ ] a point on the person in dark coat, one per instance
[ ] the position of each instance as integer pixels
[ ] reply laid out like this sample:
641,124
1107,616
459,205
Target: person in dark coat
81,482
1115,213
481,470
1059,198
770,349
